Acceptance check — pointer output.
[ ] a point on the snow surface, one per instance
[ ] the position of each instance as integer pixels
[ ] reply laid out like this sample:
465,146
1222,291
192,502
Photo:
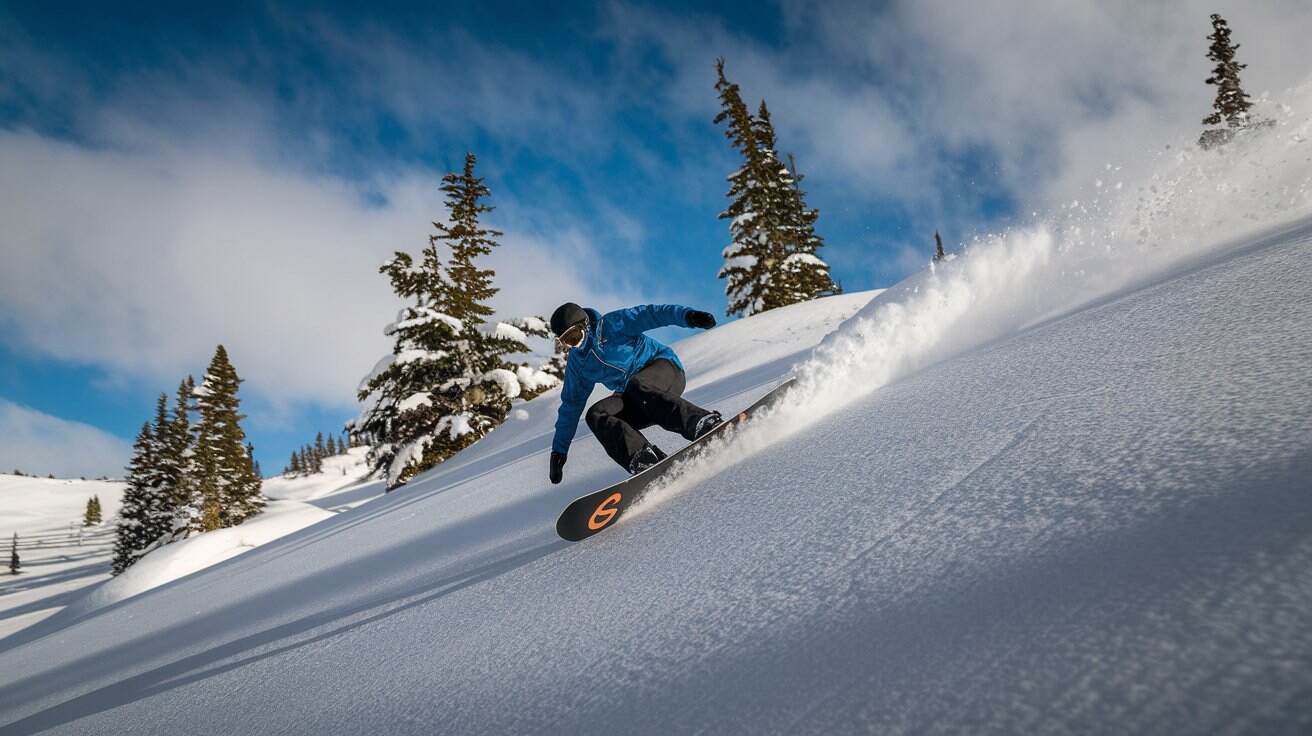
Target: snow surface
60,557
1059,484
59,562
509,332
176,560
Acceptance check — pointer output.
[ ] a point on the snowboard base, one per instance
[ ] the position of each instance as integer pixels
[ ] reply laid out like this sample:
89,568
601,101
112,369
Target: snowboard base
587,515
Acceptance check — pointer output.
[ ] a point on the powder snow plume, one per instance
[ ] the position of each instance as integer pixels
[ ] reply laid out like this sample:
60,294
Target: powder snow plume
1186,208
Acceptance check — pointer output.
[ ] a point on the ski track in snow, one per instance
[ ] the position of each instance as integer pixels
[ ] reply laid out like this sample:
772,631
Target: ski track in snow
1059,484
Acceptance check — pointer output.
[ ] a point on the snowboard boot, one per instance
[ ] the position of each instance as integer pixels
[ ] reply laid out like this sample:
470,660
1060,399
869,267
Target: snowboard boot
706,424
648,456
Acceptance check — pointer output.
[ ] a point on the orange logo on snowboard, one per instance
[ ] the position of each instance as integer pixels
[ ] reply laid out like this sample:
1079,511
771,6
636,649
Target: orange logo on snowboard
605,512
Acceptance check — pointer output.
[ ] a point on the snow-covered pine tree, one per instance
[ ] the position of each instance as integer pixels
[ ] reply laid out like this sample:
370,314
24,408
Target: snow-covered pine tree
938,248
160,478
539,375
182,497
772,260
224,476
1231,104
447,381
136,529
803,275
15,564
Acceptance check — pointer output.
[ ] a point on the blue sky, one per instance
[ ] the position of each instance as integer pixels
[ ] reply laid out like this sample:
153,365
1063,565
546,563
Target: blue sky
174,179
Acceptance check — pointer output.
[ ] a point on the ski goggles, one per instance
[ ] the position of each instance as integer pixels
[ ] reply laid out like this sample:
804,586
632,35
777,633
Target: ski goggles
573,337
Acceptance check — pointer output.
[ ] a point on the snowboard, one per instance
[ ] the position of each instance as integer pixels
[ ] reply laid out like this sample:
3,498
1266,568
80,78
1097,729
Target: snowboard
589,514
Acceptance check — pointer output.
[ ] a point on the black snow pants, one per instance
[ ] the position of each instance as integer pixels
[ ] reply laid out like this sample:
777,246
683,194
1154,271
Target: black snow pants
654,396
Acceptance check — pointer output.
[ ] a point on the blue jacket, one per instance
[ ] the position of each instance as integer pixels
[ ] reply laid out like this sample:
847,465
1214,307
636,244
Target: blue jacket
613,350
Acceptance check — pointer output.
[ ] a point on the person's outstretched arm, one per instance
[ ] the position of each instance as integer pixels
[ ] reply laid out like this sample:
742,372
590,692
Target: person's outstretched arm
637,320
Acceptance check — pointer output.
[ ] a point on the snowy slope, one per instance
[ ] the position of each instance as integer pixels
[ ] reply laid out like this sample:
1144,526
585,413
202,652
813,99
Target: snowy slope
340,485
66,566
296,502
60,557
1060,484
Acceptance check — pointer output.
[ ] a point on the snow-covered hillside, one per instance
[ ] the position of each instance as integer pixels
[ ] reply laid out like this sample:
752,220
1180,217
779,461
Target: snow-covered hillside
60,557
66,566
296,502
1059,484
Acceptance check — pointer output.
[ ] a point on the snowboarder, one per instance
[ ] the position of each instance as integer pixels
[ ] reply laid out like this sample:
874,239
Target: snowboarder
646,376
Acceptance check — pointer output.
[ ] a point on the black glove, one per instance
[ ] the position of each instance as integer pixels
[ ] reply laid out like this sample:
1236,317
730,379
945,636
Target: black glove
557,467
704,320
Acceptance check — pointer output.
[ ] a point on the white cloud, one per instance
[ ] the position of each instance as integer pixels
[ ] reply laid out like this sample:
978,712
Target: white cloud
39,444
141,261
181,222
881,101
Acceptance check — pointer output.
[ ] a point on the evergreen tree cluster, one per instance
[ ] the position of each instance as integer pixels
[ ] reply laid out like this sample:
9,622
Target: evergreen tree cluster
449,379
772,261
309,459
92,515
186,477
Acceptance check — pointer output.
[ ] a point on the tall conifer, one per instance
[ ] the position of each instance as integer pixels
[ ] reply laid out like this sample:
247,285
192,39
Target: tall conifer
15,564
448,381
1231,104
224,475
772,260
136,529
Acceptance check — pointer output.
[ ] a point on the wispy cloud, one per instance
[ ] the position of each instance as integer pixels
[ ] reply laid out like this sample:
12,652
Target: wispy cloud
142,261
241,195
938,108
39,443
180,213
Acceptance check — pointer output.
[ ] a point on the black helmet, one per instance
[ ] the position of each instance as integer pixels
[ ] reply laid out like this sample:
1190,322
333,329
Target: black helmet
566,316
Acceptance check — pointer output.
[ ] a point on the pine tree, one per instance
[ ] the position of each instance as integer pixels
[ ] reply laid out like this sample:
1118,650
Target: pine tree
136,531
1231,104
447,382
331,446
156,479
539,375
938,248
15,564
772,260
224,476
803,274
255,464
181,493
99,512
320,449
294,465
91,516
